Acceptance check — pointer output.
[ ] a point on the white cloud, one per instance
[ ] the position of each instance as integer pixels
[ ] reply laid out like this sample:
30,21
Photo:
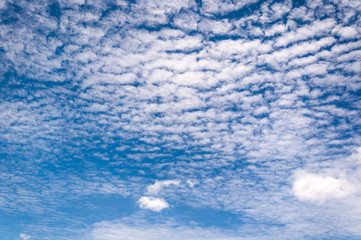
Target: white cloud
221,6
152,203
218,104
353,67
191,183
261,110
297,50
24,236
118,230
302,61
318,28
95,107
159,185
187,21
319,188
214,27
346,32
276,28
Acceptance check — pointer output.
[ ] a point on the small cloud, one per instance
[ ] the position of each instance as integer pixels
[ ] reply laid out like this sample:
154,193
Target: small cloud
191,183
152,203
346,32
159,185
317,188
261,110
24,236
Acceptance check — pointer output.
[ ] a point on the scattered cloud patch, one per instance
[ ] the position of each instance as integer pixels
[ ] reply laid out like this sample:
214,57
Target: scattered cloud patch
118,230
346,32
24,236
159,185
319,188
153,203
191,183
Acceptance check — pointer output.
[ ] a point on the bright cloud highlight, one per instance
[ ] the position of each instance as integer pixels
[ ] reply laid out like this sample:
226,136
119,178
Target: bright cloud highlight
318,188
152,203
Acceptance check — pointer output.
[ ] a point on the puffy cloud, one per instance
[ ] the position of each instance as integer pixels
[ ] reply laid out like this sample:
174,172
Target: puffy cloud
346,32
319,188
152,203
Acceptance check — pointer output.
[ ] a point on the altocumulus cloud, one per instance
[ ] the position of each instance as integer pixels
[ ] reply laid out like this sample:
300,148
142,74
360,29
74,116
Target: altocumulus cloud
161,119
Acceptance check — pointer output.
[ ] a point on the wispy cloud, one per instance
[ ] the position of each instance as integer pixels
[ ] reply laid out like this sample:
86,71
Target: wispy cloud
143,230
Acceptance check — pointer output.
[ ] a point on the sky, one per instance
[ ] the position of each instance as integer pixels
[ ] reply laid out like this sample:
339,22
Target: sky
172,119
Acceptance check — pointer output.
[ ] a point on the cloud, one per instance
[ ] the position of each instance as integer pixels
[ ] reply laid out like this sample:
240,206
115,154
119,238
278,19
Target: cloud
318,188
159,185
232,95
346,32
222,7
152,203
24,236
337,179
121,230
315,29
276,28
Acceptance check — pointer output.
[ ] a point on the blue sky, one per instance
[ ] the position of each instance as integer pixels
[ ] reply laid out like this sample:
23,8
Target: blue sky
152,120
